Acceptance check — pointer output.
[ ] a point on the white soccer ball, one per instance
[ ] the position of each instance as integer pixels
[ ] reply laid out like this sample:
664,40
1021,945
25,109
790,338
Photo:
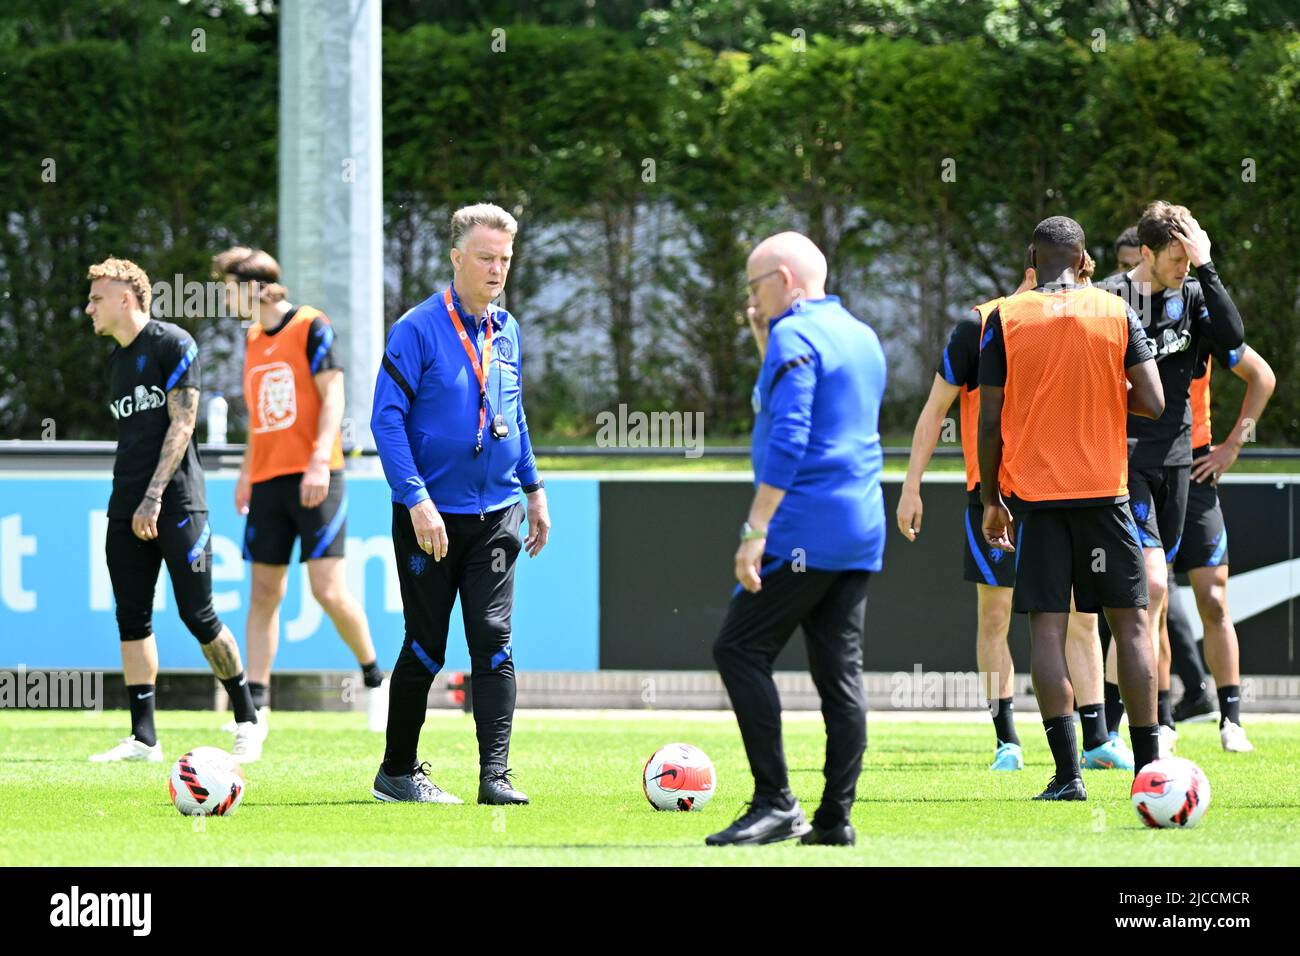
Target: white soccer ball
1171,792
206,781
679,777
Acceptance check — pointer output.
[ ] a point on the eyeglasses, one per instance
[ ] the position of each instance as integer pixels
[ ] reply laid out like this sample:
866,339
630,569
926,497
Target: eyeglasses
757,279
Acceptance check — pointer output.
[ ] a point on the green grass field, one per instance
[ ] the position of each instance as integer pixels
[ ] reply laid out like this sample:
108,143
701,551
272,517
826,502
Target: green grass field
925,797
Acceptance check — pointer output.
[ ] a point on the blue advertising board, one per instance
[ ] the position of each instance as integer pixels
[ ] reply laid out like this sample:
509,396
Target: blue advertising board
56,600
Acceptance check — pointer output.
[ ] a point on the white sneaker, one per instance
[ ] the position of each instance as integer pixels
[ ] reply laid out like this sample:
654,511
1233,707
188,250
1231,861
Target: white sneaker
1233,738
377,707
132,749
249,738
263,717
1168,741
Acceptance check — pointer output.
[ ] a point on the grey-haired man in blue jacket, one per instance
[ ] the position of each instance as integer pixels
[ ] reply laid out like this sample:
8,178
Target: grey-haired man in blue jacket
449,425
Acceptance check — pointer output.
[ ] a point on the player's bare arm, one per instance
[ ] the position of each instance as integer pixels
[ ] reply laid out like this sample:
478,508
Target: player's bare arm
925,437
1260,382
997,517
316,479
182,409
244,484
1146,396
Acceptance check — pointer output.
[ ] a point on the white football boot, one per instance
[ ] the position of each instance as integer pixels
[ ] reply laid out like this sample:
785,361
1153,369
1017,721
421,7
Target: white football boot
131,749
1168,741
1233,738
263,717
377,707
249,738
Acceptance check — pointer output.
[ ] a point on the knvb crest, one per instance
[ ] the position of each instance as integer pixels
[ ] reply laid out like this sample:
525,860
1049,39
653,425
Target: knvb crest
417,563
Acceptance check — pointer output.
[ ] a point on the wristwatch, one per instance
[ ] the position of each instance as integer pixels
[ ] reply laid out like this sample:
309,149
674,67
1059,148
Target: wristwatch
749,533
529,489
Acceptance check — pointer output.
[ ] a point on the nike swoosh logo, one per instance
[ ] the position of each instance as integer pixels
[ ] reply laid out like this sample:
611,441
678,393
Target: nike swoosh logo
1233,700
243,681
1090,716
144,696
1250,593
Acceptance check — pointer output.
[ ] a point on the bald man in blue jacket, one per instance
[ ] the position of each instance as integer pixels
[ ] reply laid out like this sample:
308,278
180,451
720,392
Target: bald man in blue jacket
814,535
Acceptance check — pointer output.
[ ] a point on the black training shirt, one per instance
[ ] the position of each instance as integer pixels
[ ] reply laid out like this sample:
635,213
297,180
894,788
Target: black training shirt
1182,324
162,357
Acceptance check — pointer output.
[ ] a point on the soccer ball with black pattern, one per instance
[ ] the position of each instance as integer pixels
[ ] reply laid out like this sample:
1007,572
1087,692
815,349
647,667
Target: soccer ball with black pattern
206,782
679,777
1171,792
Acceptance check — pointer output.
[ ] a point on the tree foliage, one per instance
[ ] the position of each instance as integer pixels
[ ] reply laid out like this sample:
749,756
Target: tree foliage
644,152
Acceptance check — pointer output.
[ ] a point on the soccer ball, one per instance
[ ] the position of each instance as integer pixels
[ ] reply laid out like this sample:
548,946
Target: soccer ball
678,777
206,782
1171,792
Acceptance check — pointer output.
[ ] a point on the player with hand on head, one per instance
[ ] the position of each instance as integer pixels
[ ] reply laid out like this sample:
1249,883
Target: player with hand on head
1184,318
158,511
1074,536
291,483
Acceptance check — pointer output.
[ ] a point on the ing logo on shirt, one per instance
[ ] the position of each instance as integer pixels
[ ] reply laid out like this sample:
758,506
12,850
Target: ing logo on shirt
277,397
141,399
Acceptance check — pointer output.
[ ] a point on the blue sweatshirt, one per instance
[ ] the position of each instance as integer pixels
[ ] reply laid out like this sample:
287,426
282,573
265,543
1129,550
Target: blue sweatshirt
426,408
816,436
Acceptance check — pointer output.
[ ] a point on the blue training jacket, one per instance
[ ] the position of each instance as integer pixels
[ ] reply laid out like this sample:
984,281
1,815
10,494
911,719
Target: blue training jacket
816,436
426,412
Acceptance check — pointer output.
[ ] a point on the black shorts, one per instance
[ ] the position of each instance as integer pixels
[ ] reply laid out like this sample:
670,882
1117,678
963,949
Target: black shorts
479,567
185,542
984,563
1092,550
276,518
1205,539
1158,499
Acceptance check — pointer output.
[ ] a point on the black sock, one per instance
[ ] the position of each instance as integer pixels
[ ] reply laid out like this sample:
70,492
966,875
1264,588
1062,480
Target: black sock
1114,706
141,699
1004,720
1093,718
408,698
1230,704
260,693
240,699
371,675
1065,748
1146,745
1164,710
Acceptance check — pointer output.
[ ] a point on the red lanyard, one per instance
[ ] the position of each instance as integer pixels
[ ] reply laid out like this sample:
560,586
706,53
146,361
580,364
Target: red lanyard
480,371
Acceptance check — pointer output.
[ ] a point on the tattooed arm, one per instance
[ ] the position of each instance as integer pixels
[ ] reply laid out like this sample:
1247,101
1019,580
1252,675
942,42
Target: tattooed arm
182,409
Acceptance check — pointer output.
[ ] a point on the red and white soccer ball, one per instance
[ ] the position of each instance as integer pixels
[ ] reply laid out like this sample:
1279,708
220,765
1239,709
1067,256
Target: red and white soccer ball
206,782
1171,792
679,777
